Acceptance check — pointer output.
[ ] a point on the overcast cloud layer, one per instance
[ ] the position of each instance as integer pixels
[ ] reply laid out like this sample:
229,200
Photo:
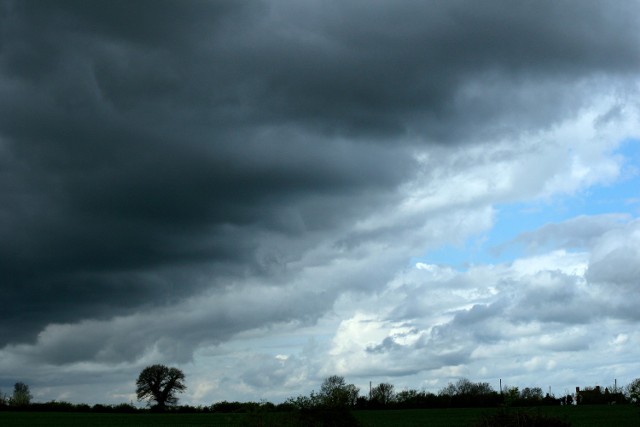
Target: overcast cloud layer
250,191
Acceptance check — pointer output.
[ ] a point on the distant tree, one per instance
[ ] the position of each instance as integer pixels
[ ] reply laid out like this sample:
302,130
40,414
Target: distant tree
382,394
160,384
465,393
335,392
633,389
448,390
480,389
406,396
331,406
353,393
567,400
510,395
531,394
464,387
303,402
21,395
407,399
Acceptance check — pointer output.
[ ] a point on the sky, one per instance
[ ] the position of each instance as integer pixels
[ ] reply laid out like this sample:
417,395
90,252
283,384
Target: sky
266,193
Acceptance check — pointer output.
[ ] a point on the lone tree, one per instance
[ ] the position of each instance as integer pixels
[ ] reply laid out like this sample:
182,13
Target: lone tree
160,383
21,395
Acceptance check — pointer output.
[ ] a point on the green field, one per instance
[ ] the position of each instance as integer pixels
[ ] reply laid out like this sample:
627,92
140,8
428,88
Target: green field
586,416
38,419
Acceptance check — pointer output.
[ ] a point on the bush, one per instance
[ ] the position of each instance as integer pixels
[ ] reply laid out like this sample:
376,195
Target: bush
235,407
125,408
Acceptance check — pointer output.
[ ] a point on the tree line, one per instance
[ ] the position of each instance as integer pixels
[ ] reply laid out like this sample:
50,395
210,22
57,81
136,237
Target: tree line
460,394
159,386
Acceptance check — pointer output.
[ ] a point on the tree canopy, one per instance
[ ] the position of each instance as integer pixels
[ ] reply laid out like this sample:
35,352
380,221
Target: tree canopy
633,389
383,394
465,387
160,384
21,395
335,392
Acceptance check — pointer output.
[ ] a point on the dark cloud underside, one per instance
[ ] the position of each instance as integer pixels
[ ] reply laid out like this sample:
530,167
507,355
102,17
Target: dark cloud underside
147,148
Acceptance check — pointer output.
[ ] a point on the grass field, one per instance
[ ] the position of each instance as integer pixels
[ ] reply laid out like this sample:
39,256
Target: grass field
41,419
586,416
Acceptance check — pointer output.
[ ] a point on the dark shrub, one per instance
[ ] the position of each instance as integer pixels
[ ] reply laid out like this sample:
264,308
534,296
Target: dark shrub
124,408
285,407
235,407
100,408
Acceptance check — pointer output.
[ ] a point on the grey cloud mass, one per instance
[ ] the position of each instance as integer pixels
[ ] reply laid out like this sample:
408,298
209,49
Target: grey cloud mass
185,171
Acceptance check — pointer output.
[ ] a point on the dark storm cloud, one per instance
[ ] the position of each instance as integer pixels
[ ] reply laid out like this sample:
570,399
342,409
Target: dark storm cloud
148,149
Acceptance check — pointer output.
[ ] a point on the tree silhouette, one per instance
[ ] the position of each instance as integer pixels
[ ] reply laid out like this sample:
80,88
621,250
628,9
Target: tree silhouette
464,387
531,393
634,391
160,383
335,392
21,395
467,393
382,394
